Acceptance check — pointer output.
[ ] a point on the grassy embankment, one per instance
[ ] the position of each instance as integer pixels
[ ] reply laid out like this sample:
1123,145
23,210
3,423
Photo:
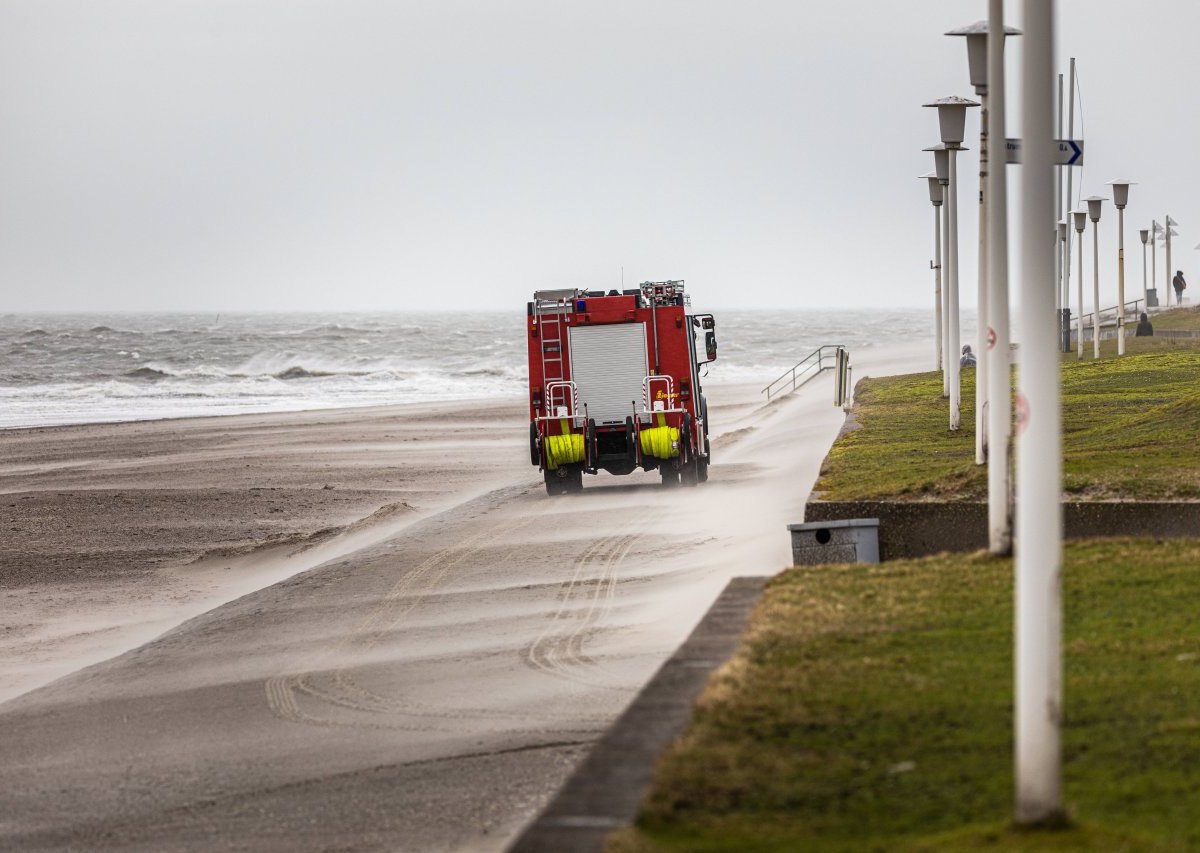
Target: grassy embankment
1130,427
1176,318
869,708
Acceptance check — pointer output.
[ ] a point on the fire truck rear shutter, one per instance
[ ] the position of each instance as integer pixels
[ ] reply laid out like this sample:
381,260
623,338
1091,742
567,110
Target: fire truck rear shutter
608,364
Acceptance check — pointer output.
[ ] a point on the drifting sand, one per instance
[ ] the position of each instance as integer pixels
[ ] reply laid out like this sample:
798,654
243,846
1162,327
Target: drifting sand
415,646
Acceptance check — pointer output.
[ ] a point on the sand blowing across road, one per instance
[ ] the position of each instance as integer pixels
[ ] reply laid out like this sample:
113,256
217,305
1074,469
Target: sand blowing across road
359,629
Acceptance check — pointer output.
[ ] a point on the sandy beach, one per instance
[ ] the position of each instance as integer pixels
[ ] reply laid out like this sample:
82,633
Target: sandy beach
351,629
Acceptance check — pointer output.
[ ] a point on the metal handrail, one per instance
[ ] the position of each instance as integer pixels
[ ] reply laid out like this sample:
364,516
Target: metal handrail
1113,309
795,375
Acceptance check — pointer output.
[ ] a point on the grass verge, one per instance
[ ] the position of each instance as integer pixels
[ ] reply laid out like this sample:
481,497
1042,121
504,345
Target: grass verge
869,708
1129,425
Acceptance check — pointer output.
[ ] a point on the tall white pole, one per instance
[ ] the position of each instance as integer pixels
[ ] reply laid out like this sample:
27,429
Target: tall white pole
952,340
1060,293
1095,289
1168,277
1039,450
999,416
1069,201
982,356
948,354
1154,260
1121,280
1145,287
1079,319
1064,249
937,278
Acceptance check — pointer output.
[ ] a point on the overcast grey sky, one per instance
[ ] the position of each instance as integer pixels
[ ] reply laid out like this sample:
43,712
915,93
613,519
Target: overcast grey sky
256,155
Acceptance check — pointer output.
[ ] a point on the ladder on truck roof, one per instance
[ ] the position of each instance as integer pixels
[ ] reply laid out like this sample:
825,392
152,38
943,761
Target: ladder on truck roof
551,307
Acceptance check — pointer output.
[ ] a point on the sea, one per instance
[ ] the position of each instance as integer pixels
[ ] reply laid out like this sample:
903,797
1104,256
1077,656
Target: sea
59,369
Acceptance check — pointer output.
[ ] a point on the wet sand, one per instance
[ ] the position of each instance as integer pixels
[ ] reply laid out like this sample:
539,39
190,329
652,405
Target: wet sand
380,633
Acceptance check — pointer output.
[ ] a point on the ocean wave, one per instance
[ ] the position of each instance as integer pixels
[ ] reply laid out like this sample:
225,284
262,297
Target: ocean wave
298,372
148,373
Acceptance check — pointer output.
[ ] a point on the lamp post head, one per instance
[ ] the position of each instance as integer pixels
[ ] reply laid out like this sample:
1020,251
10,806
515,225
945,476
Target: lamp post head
941,162
1120,192
935,188
1145,235
976,36
952,118
1080,217
1093,203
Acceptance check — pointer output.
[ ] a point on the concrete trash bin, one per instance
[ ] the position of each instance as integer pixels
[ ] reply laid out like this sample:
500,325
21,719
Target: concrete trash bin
848,540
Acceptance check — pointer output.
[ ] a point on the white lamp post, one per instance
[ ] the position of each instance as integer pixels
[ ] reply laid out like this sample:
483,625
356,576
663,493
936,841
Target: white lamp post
935,198
1120,199
941,169
1080,217
976,36
999,376
952,119
1094,202
1169,234
1038,563
1064,272
1145,235
1152,293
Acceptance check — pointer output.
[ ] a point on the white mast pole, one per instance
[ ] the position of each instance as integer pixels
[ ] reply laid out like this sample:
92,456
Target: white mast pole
1039,449
1069,201
937,279
1095,288
999,415
1121,280
1079,284
952,341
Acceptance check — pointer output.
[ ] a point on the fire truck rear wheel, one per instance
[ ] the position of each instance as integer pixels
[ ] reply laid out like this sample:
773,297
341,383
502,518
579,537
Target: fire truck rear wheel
669,474
573,484
535,454
554,483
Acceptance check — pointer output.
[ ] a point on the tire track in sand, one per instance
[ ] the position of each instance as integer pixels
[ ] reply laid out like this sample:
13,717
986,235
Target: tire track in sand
329,681
584,601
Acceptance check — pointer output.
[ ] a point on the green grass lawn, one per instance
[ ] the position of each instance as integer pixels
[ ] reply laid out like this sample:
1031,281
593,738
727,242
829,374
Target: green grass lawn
1177,318
1131,427
869,708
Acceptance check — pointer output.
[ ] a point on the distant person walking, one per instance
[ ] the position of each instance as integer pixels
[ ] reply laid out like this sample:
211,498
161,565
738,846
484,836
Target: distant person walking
1180,286
1145,328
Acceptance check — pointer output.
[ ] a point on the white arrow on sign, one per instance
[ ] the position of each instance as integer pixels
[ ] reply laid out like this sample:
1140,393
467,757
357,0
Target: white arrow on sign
1067,152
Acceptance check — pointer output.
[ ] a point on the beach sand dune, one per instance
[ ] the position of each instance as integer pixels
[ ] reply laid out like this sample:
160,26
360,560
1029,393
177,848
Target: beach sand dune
413,658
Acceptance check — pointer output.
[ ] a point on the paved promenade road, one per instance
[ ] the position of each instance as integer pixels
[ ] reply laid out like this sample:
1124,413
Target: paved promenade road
427,691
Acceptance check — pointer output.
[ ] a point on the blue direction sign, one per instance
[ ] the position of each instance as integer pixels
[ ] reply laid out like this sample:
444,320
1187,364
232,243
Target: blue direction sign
1067,152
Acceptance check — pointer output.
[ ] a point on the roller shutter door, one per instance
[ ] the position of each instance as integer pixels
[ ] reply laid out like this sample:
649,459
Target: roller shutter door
608,364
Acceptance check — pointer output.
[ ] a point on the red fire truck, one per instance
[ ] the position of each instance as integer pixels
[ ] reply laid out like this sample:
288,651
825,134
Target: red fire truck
614,384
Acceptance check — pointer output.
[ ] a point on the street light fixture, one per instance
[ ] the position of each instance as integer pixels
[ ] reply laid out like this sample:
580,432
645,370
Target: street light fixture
941,169
1080,217
1145,235
952,119
935,198
976,37
1094,203
1120,190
